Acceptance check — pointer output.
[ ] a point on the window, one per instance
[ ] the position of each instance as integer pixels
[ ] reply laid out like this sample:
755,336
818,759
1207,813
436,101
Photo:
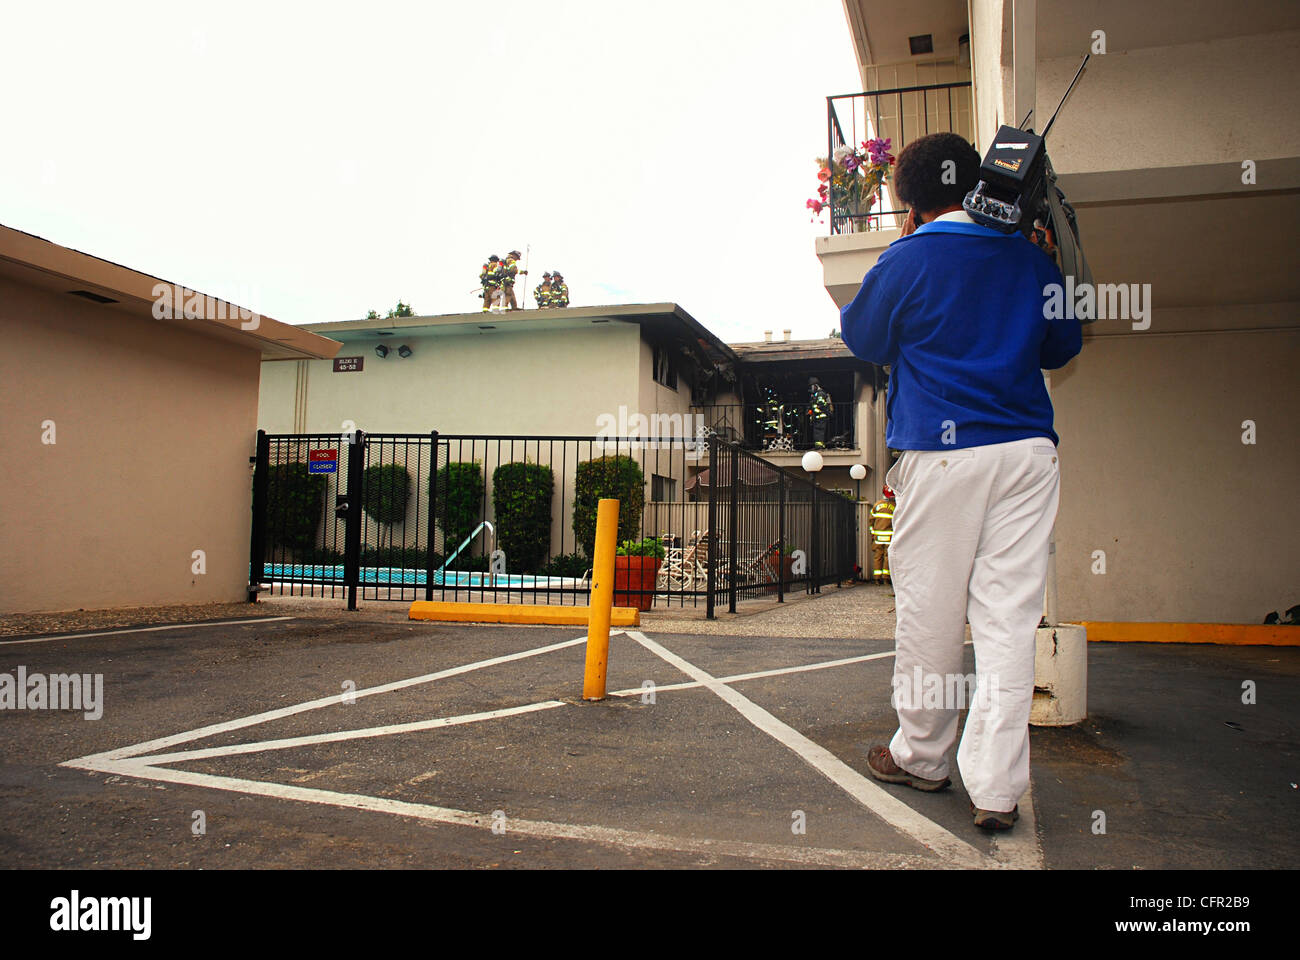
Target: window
663,368
663,489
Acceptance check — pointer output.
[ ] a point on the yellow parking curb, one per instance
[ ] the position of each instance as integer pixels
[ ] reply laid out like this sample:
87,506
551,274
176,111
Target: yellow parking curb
517,613
1108,631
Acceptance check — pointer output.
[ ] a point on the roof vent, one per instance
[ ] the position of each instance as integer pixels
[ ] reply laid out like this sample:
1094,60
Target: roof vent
95,297
922,44
787,335
767,336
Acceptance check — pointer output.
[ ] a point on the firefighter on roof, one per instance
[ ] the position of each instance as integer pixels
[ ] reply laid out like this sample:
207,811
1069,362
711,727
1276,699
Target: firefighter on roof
542,292
490,278
559,290
510,270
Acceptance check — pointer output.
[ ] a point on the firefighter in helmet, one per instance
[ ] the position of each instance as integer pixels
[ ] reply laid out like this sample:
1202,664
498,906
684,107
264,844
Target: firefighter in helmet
510,270
542,292
490,278
882,531
769,417
819,411
559,290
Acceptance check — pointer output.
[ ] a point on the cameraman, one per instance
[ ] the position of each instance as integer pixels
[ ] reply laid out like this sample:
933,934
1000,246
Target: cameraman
956,310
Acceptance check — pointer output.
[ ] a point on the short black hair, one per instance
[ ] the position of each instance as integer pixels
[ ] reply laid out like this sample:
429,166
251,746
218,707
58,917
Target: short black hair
919,177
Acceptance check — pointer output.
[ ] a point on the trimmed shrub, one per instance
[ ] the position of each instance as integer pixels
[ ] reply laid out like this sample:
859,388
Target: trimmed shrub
521,501
294,503
566,565
460,502
387,491
617,477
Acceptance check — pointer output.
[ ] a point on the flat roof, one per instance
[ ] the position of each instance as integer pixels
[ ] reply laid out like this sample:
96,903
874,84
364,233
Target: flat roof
42,263
659,318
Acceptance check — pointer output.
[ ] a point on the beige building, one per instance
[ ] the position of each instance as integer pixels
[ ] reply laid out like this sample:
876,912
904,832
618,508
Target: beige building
1180,148
130,415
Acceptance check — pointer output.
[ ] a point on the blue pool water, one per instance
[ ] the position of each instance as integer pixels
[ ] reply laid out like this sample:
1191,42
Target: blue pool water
400,576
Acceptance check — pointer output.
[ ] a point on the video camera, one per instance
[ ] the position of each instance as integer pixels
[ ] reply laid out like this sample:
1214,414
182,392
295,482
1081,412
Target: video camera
1017,191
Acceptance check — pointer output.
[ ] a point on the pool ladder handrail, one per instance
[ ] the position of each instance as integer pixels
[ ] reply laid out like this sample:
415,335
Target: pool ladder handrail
492,544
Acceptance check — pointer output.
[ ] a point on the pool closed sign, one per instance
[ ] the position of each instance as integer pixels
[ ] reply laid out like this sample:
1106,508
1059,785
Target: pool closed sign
322,461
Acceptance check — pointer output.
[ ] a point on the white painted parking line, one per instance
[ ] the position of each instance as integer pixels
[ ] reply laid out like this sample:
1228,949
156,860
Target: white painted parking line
338,736
893,811
332,700
142,761
1021,848
173,626
542,829
779,672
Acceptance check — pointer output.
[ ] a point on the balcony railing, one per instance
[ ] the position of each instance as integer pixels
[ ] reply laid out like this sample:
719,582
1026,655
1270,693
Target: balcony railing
902,114
799,430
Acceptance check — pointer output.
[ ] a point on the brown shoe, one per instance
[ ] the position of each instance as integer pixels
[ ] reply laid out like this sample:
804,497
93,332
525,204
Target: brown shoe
880,762
995,819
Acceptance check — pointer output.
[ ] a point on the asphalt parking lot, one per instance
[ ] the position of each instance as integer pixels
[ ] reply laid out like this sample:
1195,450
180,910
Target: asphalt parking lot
345,741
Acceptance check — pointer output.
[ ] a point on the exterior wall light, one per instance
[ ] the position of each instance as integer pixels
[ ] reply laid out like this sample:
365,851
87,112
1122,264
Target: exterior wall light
403,351
381,351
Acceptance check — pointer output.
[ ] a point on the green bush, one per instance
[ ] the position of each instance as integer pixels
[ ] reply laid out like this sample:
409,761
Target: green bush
460,502
649,547
616,477
294,501
521,500
565,565
387,490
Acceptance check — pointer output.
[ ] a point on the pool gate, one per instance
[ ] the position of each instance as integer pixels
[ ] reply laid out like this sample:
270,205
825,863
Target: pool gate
375,516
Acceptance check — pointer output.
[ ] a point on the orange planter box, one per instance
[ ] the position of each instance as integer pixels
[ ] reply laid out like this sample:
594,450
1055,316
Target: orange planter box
635,573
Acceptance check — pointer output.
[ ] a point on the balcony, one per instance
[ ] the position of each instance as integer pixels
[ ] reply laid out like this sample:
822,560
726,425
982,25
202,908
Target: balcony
798,432
901,114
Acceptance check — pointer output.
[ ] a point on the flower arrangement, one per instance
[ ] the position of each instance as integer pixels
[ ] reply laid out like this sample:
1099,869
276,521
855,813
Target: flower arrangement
851,179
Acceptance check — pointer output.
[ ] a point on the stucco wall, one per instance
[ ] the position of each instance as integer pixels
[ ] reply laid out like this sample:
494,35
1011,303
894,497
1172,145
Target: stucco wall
1195,525
1226,100
153,428
525,382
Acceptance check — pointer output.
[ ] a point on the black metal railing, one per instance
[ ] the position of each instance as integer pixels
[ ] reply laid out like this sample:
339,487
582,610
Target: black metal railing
795,427
512,519
901,114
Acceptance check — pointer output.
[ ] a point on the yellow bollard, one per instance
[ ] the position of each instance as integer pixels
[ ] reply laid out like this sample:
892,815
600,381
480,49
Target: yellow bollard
602,600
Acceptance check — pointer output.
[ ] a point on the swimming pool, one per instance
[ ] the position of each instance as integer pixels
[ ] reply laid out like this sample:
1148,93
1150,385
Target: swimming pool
404,576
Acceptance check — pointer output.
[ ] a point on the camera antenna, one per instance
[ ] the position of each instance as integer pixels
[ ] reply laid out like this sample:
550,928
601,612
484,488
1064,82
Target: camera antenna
1077,74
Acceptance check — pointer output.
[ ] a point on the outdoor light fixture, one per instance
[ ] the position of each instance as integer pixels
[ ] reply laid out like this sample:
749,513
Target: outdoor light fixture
812,461
381,351
858,472
403,351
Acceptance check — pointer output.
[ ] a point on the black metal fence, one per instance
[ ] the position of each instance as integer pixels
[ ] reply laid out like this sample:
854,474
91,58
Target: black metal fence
901,114
512,519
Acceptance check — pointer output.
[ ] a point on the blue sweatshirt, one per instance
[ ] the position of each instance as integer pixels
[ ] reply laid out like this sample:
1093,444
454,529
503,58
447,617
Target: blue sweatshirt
956,310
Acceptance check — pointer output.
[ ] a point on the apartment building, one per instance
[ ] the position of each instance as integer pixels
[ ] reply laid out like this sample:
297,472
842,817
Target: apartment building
1180,149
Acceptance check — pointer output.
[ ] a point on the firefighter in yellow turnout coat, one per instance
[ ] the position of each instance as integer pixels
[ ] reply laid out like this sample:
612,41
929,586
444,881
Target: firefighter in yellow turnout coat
882,531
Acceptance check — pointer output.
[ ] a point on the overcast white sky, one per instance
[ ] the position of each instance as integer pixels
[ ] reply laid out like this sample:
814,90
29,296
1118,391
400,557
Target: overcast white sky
313,161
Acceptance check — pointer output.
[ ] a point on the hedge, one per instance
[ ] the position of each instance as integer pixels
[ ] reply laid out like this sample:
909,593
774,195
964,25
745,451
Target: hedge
616,477
294,502
460,502
521,501
387,490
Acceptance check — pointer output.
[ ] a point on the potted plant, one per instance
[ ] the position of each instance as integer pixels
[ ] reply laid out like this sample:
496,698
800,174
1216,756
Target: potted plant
781,564
851,180
636,567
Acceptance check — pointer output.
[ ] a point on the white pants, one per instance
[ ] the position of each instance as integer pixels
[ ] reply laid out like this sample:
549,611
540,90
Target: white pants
971,534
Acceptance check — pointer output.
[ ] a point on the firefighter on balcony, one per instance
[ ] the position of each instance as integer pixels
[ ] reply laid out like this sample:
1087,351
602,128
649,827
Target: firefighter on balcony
882,531
490,278
819,411
509,271
542,292
769,418
559,290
